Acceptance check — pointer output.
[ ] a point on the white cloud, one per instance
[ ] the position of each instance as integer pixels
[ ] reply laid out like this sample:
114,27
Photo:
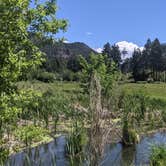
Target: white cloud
141,48
124,46
66,41
89,33
99,50
129,47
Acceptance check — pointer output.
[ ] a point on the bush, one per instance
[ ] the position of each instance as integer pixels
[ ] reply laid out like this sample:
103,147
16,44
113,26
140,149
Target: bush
67,75
46,77
41,75
4,152
27,134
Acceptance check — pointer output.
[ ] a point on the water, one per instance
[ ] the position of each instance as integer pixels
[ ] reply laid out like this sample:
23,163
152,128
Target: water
115,154
42,155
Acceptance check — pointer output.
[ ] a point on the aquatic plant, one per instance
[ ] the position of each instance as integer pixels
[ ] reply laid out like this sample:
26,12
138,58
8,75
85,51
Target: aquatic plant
27,134
134,107
76,142
4,152
158,155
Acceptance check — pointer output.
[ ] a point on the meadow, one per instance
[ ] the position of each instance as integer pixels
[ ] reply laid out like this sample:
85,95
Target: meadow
155,90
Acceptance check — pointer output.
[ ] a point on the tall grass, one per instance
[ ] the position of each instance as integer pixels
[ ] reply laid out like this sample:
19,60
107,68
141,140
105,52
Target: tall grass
158,155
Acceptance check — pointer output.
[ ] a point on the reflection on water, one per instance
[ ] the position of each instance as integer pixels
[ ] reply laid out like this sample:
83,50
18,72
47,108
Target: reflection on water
43,155
114,154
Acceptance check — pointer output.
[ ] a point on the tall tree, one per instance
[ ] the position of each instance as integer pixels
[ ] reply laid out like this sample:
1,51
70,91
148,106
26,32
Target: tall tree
147,52
107,50
156,57
116,55
17,52
135,64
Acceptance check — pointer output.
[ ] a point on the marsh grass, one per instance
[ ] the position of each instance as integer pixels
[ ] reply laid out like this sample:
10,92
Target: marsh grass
158,155
156,90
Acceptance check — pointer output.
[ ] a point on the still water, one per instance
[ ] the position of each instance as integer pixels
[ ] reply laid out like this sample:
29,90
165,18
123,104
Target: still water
115,154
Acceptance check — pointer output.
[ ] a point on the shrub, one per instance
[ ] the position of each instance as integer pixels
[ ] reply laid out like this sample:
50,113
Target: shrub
46,77
4,152
27,134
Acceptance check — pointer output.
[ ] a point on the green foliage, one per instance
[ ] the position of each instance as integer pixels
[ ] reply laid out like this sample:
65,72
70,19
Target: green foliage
14,43
149,64
156,90
27,134
53,105
4,152
158,155
42,18
46,77
134,107
108,74
113,54
136,104
18,54
9,110
130,136
76,142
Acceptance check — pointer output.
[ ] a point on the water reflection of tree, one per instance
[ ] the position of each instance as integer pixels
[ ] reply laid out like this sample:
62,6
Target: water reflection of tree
99,123
128,155
100,127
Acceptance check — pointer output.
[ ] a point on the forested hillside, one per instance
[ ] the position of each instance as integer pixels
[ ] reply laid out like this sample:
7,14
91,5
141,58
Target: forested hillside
149,64
63,60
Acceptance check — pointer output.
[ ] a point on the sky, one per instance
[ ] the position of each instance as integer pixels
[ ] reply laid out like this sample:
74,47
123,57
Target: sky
96,22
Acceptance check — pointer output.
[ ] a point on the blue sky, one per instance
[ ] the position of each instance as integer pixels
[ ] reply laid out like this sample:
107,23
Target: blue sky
97,21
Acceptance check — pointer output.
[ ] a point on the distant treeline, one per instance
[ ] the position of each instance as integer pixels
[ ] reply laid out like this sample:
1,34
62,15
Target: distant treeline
149,64
62,60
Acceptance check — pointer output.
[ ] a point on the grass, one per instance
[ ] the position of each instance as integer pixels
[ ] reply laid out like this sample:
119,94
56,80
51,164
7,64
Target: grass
56,86
158,156
70,90
74,91
156,90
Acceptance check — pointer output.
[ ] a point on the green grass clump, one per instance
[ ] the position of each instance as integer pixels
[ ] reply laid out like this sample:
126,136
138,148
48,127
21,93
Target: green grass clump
29,134
158,155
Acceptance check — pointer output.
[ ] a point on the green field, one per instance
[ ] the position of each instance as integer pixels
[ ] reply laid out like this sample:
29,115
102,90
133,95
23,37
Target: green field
56,86
70,90
156,90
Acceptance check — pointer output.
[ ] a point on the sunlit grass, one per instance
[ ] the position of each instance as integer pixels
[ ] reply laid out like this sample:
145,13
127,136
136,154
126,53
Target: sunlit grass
156,90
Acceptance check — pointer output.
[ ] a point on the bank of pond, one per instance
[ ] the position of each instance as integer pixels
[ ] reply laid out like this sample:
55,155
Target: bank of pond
115,154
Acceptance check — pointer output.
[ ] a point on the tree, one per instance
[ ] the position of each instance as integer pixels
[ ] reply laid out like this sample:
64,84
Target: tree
108,74
126,66
150,64
107,50
135,64
116,55
146,53
17,51
156,57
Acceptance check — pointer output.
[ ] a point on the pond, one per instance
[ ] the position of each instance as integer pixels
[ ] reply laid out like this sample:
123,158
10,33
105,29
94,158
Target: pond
115,154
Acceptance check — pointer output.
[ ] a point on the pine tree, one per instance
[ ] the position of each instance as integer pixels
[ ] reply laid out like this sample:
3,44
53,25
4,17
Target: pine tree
116,55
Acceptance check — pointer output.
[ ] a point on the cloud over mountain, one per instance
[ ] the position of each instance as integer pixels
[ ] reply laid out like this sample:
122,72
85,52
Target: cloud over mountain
126,48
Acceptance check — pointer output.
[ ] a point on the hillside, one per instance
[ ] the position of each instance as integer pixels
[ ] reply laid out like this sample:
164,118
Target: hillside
60,49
